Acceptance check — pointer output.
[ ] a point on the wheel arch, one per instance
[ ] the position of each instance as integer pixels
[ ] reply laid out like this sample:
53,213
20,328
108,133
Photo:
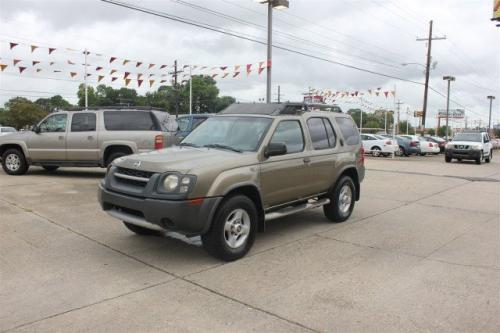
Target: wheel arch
114,147
14,145
252,192
353,174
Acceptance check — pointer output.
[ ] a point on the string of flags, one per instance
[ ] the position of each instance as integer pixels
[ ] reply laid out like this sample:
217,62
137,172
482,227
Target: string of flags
356,93
115,69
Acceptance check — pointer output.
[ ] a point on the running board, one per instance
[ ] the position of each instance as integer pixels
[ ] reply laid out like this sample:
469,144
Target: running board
292,210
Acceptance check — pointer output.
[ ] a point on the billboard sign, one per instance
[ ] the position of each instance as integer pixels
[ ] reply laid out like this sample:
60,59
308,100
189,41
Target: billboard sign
454,113
418,114
496,10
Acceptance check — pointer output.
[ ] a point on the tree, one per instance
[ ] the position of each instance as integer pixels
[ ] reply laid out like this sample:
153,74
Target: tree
431,131
21,112
91,95
52,103
442,131
223,102
402,127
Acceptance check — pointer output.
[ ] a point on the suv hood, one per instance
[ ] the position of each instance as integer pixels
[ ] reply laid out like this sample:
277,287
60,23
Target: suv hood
465,143
21,135
184,159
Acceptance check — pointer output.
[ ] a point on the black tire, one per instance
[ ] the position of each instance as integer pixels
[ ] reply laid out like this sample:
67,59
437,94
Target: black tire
479,159
402,151
50,168
141,230
447,159
489,158
14,163
376,151
114,155
333,210
216,242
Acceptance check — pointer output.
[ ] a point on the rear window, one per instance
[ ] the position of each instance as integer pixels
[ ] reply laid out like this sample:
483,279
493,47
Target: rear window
130,121
349,130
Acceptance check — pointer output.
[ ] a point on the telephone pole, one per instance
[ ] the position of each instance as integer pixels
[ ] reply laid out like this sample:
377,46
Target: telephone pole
399,109
176,95
428,67
491,98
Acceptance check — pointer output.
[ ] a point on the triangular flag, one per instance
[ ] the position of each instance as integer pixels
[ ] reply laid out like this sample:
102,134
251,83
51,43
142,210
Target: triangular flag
113,78
223,68
125,61
73,74
151,82
13,45
112,71
112,59
70,62
151,66
98,68
21,69
163,66
127,81
377,93
139,76
236,68
356,93
51,49
16,61
261,63
214,75
249,69
370,91
163,81
33,48
38,70
89,75
138,64
185,66
393,93
261,69
236,74
100,77
269,63
386,93
126,75
226,74
2,67
35,62
51,63
139,82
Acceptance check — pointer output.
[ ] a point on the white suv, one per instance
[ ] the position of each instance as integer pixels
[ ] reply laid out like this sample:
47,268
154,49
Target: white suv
469,146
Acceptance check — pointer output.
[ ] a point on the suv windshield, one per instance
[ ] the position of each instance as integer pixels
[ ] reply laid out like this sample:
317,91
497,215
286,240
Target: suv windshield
239,133
473,137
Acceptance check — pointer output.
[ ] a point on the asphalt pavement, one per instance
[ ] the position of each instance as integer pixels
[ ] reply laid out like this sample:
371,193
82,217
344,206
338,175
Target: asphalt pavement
420,253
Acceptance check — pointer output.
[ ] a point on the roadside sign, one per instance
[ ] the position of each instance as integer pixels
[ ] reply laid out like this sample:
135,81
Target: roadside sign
496,9
455,113
418,114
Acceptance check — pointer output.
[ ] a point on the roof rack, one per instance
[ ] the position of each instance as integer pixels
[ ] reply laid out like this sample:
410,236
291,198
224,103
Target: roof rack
275,109
113,107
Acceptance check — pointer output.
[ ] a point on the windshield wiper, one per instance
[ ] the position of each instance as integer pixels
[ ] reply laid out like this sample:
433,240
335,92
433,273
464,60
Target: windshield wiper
188,144
216,145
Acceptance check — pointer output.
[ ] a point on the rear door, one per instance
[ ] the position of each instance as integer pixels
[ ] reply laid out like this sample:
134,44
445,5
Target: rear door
50,143
81,140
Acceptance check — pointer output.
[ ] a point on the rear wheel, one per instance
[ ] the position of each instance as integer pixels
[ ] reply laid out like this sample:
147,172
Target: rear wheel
342,199
376,151
14,163
401,151
141,230
233,229
50,167
113,156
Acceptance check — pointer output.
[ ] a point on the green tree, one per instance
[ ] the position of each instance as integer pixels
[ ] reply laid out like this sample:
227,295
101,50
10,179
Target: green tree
21,112
402,127
52,103
442,131
223,102
431,131
91,96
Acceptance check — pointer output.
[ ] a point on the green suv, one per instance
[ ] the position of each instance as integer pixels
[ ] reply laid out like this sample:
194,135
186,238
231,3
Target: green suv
249,164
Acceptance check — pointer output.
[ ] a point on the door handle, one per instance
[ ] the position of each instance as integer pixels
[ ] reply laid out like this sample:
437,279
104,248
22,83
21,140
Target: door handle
61,137
90,137
307,159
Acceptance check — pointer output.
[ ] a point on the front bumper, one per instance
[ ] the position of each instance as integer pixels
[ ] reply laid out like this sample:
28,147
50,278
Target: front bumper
466,154
189,217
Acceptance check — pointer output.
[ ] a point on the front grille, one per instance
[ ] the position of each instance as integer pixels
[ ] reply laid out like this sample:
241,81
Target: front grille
135,173
461,147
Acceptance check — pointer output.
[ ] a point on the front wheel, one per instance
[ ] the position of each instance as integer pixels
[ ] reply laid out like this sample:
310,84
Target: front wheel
233,229
490,156
14,163
342,199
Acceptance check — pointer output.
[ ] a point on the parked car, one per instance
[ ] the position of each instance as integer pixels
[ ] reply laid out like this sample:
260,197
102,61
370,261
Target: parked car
440,142
249,164
378,145
414,142
4,130
405,147
85,138
187,123
427,146
470,146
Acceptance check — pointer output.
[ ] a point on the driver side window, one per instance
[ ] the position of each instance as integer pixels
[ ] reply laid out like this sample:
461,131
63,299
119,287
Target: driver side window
290,133
54,123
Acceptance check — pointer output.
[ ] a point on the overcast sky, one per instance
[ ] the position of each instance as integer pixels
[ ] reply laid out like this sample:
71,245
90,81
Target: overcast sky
378,35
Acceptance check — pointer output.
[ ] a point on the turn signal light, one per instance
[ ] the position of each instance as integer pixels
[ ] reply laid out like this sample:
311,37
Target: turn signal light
159,142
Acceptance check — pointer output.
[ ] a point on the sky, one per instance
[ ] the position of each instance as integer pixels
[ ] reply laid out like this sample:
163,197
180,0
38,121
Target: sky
371,35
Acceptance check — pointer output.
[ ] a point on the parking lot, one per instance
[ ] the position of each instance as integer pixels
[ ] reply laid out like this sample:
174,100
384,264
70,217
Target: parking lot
420,253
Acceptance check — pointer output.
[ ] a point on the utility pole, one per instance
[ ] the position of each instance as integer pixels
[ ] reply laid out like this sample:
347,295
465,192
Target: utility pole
279,94
491,98
428,68
190,90
85,81
399,109
176,95
449,79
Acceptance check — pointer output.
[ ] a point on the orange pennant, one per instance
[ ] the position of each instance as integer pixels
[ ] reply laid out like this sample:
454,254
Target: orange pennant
112,71
2,67
73,74
151,82
100,77
33,48
139,76
236,68
151,66
127,81
125,61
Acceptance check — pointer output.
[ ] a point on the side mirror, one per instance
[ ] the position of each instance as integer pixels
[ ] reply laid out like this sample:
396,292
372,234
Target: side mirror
36,129
275,149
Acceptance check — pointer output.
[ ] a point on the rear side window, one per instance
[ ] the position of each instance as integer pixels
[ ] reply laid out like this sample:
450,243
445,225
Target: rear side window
129,121
322,134
349,130
83,122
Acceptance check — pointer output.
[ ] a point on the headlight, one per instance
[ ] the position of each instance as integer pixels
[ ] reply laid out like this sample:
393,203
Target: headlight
176,184
170,183
449,146
476,147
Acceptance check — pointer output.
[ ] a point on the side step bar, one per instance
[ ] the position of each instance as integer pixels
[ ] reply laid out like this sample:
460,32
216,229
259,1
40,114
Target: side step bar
292,210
